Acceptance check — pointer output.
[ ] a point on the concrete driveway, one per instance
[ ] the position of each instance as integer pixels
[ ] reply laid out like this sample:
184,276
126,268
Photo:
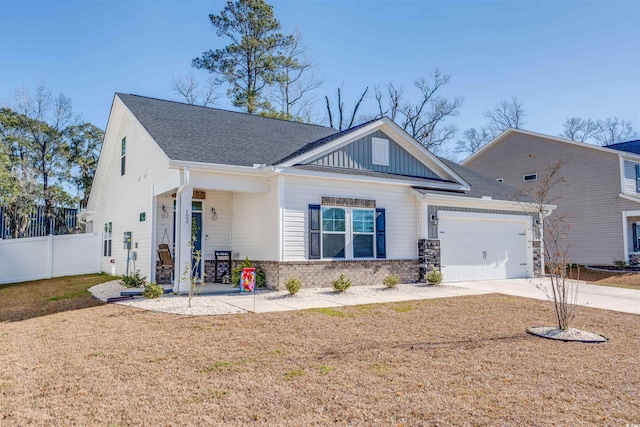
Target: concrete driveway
606,297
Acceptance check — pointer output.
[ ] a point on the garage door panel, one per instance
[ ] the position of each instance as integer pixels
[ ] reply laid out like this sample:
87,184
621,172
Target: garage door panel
481,248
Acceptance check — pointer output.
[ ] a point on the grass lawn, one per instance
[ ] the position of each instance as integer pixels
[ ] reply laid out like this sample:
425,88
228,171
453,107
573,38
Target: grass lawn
451,361
609,278
19,301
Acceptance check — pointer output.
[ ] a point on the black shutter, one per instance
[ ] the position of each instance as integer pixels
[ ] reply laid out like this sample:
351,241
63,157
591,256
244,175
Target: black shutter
314,232
634,229
637,178
381,240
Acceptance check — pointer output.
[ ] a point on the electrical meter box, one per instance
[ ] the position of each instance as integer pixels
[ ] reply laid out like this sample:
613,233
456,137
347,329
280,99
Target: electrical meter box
126,240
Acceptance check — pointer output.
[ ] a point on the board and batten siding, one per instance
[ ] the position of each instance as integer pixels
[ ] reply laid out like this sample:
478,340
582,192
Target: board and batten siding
121,199
254,224
399,202
589,197
357,155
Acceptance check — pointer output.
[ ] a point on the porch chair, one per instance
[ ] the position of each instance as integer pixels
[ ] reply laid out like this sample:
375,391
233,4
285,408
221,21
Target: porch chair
164,255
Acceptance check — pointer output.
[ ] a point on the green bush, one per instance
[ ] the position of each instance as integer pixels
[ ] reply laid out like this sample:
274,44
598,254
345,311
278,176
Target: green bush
341,284
434,277
620,263
135,280
391,281
293,285
261,278
152,290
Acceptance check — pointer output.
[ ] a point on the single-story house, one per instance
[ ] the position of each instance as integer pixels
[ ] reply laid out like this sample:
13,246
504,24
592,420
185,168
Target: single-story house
599,197
298,200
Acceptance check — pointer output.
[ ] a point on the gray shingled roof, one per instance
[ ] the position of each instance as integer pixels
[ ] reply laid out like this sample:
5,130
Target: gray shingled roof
209,135
480,186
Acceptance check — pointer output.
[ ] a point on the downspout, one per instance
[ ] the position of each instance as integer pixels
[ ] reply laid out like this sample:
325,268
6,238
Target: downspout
176,268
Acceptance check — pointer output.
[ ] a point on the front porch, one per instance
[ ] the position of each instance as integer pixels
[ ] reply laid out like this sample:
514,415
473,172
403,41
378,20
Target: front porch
631,222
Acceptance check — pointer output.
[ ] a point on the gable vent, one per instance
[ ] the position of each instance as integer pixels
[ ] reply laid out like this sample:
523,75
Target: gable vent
380,151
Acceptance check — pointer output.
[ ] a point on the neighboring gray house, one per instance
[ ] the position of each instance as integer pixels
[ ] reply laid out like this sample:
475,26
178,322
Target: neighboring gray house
601,195
299,200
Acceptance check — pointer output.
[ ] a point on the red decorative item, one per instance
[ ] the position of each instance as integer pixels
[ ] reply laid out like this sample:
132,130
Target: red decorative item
248,280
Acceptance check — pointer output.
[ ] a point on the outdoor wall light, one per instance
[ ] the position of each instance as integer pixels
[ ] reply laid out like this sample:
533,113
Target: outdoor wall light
214,214
164,214
434,218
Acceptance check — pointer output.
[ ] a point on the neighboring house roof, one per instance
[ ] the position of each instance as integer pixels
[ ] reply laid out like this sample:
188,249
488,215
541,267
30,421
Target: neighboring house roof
481,186
629,146
510,131
220,136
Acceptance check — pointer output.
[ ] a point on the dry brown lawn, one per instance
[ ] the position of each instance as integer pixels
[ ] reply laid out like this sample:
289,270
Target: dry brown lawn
453,361
609,278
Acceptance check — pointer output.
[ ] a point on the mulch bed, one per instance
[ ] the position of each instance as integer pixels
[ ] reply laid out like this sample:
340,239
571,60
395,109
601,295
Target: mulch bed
454,361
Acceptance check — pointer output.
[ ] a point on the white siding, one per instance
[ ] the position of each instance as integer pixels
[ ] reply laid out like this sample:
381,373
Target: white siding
254,224
630,177
400,204
120,199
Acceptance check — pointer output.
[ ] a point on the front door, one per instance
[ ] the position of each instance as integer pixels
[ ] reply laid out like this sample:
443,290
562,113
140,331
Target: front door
196,220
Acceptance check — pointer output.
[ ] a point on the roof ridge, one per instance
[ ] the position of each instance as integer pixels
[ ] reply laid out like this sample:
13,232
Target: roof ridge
222,109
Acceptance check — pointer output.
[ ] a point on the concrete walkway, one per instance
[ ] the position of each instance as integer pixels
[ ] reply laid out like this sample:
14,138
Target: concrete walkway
605,297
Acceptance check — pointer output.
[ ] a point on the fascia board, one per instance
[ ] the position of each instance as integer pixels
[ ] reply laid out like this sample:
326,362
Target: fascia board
355,178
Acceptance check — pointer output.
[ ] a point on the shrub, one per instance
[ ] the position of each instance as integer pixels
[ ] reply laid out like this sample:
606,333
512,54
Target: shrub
434,277
135,280
341,284
391,281
620,263
293,285
152,290
261,278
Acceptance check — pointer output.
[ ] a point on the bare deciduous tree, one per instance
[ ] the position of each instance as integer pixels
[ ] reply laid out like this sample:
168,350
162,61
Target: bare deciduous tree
424,119
190,89
295,80
614,130
555,227
579,129
472,140
506,114
342,122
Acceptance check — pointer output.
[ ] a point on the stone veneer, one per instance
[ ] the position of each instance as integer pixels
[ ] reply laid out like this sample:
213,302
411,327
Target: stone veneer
163,275
322,273
537,258
428,255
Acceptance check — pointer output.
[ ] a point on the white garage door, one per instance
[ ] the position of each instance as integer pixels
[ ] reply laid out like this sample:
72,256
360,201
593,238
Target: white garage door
483,246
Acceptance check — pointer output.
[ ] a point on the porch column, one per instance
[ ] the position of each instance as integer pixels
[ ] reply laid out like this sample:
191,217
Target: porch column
183,237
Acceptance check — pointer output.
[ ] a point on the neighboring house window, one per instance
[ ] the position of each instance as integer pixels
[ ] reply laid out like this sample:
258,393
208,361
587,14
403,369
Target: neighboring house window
530,177
499,179
107,238
346,233
123,155
380,151
637,178
636,236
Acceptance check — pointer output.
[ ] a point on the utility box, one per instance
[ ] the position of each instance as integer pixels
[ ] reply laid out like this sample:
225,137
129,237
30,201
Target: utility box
126,240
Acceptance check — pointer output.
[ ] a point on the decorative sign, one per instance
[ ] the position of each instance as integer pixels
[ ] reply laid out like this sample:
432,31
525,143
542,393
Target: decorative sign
197,194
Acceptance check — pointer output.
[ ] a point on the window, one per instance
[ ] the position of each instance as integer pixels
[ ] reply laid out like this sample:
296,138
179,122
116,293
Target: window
143,216
380,151
530,177
363,232
637,178
347,233
106,239
333,232
499,179
123,155
636,236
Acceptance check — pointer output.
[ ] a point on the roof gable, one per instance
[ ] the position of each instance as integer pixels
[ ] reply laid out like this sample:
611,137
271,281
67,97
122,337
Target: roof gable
578,145
208,135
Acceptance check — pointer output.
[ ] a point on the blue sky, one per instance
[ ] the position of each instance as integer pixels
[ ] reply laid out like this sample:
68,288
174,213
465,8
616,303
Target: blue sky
561,59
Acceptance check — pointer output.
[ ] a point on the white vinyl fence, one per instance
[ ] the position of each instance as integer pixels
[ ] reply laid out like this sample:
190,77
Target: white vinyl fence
35,258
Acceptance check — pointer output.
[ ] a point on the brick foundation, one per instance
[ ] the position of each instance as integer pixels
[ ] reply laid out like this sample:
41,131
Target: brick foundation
322,273
428,255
